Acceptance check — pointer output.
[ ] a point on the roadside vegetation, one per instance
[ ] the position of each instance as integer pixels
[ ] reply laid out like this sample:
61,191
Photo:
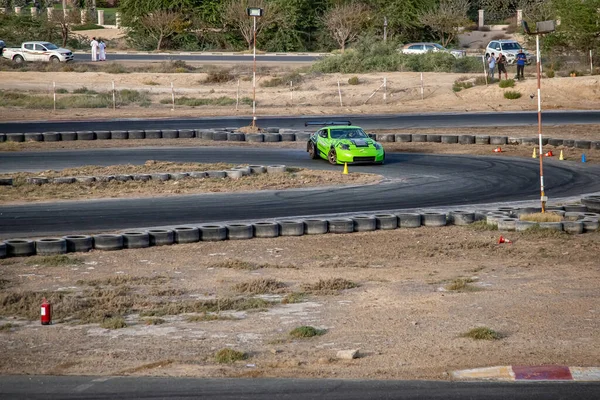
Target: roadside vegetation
482,333
79,99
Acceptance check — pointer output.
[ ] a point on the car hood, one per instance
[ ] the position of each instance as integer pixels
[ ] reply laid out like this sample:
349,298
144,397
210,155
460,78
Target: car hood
363,142
62,50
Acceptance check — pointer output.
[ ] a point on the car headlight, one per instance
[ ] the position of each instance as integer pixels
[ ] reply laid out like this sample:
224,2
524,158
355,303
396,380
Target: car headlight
344,146
377,146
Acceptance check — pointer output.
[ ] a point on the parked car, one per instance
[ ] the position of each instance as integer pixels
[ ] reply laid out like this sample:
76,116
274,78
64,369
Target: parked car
2,47
508,48
38,51
340,142
422,48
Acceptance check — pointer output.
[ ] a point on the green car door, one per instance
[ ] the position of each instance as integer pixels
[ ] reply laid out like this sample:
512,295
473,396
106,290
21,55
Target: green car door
323,142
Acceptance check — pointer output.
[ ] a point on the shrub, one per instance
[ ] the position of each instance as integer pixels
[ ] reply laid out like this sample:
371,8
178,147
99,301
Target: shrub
229,356
219,76
512,95
62,90
482,333
353,81
306,332
550,73
480,80
84,90
113,323
86,27
460,85
272,82
507,83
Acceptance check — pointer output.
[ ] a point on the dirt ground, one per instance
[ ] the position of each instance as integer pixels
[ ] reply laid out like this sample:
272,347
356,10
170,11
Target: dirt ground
317,94
540,293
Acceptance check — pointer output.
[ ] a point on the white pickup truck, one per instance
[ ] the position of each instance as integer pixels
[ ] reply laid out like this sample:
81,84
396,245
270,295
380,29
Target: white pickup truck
38,51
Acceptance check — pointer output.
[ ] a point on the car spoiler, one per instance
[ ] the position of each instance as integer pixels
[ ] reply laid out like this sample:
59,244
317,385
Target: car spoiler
321,123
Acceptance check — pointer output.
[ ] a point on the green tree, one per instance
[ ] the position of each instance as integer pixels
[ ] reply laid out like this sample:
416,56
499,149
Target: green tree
345,22
579,27
447,18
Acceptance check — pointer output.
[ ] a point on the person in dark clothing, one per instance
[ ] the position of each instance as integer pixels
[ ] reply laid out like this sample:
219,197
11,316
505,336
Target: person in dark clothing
501,61
521,59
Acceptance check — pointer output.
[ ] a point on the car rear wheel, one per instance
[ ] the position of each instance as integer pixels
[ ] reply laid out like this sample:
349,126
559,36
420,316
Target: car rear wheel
54,60
18,59
332,156
312,151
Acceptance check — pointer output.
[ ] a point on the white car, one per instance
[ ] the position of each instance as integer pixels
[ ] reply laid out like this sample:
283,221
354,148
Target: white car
508,48
38,51
422,48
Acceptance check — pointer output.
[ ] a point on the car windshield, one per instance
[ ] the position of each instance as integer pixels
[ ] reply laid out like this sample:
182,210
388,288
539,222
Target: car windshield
439,46
50,46
351,133
511,46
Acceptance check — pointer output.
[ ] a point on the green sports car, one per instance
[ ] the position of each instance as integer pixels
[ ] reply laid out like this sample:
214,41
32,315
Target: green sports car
341,143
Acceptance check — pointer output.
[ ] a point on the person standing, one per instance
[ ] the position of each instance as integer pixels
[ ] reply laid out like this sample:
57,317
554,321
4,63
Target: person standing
521,59
492,65
94,45
101,51
501,66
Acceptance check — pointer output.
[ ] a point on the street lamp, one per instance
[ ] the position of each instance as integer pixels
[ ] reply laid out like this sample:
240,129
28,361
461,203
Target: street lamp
254,12
541,28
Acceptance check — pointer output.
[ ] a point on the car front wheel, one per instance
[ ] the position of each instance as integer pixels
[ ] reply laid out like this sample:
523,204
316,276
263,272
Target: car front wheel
54,60
332,156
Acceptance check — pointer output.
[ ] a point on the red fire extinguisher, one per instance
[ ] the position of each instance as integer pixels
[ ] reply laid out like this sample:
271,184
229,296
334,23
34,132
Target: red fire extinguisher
46,313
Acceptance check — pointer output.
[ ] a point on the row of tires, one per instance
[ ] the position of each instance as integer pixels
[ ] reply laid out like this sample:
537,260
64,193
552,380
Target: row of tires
582,222
284,135
234,173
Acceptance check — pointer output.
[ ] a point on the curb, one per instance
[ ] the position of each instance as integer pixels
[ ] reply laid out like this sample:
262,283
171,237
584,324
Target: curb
529,373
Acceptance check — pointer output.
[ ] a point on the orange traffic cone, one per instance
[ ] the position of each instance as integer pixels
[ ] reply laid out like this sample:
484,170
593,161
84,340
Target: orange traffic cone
498,150
503,240
549,154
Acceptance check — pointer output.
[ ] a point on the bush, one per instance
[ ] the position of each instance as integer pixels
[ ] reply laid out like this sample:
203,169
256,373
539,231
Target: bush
306,332
512,95
480,80
219,76
353,81
113,323
550,73
460,85
229,356
86,27
507,83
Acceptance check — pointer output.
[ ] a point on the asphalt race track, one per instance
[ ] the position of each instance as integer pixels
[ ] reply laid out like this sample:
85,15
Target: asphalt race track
412,180
387,121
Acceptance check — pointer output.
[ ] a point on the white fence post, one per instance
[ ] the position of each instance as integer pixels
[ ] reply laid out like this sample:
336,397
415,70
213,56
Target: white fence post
292,92
385,89
484,70
172,97
114,96
100,17
422,89
237,97
54,94
340,93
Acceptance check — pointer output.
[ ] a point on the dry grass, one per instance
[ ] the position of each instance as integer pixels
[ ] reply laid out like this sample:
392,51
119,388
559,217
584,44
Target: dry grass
6,327
482,333
541,217
246,265
54,261
116,322
204,306
462,285
166,292
482,226
329,286
208,317
154,321
229,356
537,232
260,286
120,280
146,367
292,298
306,332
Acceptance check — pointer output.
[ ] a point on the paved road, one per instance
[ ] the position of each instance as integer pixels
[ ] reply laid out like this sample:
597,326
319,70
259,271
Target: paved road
414,180
210,58
386,121
79,387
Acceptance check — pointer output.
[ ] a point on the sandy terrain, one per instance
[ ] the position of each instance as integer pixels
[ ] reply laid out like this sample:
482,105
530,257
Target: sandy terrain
540,293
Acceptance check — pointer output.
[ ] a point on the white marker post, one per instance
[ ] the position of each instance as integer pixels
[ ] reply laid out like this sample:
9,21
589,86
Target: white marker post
54,94
422,90
292,92
172,97
484,70
114,96
385,89
340,93
237,96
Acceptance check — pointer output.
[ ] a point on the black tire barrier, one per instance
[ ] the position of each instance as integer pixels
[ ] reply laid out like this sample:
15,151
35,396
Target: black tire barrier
85,135
108,242
275,169
213,233
255,137
2,139
161,237
217,174
2,250
385,138
386,221
206,134
231,129
409,220
219,136
257,169
187,134
554,226
79,243
177,176
466,139
449,139
575,208
51,136
160,177
434,138
37,180
291,228
236,137
15,137
135,240
510,211
119,135
513,140
592,203
573,216
434,219
68,136
19,247
555,142
234,174
596,145
103,135
461,218
272,130
590,225
403,137
105,178
498,140
573,227
123,178
529,141
50,246
364,223
246,170
33,137
569,143
240,231
481,215
186,234
141,177
288,137
63,180
6,181
138,134
419,138
372,136
493,218
170,134
316,226
302,136
341,225
522,226
507,224
198,174
272,137
583,144
482,139
266,229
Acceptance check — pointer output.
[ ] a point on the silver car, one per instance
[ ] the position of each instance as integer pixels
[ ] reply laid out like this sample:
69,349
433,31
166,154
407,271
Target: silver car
422,48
